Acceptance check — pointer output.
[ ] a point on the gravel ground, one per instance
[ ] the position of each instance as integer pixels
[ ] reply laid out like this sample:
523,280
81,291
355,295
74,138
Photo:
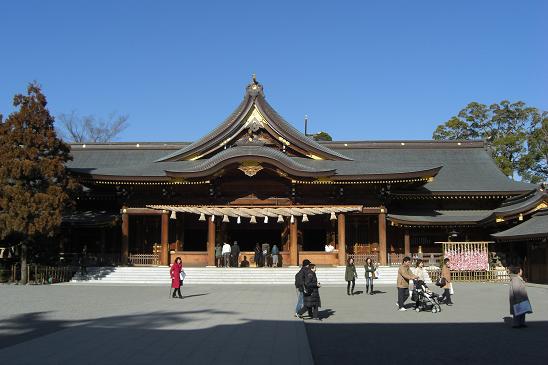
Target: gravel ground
243,324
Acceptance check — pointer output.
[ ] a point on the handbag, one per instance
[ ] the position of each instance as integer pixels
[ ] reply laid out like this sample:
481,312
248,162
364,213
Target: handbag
451,291
522,308
182,275
441,282
376,274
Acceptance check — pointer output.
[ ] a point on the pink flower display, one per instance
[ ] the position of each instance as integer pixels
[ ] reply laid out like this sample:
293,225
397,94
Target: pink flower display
462,259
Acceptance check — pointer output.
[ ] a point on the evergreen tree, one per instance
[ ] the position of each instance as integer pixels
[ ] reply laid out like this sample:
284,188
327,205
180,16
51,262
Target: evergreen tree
514,132
322,136
35,188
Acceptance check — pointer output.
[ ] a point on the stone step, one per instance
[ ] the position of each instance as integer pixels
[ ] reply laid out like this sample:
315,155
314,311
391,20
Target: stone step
203,275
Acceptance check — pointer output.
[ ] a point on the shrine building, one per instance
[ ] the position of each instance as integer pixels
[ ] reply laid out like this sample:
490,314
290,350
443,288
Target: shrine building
256,179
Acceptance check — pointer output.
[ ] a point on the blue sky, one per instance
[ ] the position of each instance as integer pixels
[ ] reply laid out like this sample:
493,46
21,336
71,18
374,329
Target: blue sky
360,70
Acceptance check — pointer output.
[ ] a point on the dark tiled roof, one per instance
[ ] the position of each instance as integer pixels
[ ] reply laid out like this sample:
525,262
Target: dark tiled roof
439,217
288,130
466,168
534,228
522,203
90,218
259,153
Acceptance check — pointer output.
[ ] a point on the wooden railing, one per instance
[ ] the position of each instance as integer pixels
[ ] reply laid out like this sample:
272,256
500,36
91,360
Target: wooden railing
395,259
495,276
359,259
144,259
42,274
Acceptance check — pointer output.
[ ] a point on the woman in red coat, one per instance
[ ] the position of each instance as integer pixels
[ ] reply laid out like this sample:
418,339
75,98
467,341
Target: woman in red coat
175,273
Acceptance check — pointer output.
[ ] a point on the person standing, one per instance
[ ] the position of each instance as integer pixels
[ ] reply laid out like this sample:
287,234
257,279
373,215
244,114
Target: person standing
404,275
226,254
446,274
83,261
370,269
266,251
312,299
422,277
175,273
350,276
218,255
518,294
258,255
275,252
299,286
235,254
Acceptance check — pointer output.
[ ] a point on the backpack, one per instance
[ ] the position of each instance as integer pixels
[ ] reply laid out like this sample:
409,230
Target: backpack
299,279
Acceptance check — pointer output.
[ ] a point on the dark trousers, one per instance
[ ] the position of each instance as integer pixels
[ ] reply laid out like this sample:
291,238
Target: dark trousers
353,281
403,294
519,320
177,290
446,296
312,311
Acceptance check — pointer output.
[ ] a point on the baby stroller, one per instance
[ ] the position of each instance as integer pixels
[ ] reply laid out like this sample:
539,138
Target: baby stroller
425,299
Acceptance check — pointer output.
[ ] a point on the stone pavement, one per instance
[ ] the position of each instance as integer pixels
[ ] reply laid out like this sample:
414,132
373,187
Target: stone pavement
253,324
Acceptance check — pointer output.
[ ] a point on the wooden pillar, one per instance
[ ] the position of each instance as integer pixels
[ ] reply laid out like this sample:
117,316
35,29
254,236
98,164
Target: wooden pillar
164,259
382,237
210,242
293,248
406,243
125,238
341,238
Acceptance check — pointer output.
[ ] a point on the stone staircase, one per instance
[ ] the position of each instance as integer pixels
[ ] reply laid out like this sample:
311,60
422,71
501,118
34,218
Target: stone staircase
212,275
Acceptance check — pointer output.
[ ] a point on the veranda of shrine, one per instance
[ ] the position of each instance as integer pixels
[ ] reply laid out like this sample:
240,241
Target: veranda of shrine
255,178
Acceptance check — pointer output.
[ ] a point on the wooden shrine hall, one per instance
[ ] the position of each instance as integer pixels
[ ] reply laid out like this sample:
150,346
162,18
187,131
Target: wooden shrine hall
256,179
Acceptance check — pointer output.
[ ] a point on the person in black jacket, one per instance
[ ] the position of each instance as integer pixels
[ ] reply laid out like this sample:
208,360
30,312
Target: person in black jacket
235,253
311,293
299,286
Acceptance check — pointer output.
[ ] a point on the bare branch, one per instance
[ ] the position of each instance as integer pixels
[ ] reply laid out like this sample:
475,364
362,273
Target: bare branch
92,129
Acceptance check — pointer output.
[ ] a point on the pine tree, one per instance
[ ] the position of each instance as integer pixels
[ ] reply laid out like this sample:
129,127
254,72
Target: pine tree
35,188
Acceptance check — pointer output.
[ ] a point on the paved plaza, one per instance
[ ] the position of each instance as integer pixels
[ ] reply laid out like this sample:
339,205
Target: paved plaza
247,324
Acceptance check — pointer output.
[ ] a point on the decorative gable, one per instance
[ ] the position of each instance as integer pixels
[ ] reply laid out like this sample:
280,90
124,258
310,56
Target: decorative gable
255,122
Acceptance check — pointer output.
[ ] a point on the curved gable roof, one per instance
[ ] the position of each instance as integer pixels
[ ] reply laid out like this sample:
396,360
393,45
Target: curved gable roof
254,98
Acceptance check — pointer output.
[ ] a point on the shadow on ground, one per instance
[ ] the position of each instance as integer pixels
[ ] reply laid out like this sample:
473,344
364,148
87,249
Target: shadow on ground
422,343
156,337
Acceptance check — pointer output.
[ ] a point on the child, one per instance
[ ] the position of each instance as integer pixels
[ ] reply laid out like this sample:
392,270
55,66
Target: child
518,294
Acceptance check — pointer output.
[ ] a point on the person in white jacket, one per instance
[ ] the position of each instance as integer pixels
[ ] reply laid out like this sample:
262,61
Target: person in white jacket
421,272
226,253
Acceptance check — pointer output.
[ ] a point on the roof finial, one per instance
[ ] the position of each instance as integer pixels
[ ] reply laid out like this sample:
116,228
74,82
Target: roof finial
254,78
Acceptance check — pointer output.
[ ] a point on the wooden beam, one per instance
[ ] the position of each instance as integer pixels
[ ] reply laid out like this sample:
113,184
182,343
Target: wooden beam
125,239
341,238
406,243
142,211
382,237
210,242
164,259
293,248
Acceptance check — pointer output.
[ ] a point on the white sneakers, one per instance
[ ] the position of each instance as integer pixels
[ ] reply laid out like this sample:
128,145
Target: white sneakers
402,309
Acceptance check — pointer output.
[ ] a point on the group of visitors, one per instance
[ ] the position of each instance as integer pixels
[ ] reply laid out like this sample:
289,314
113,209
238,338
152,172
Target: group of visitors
420,276
308,294
227,256
350,276
266,257
308,291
